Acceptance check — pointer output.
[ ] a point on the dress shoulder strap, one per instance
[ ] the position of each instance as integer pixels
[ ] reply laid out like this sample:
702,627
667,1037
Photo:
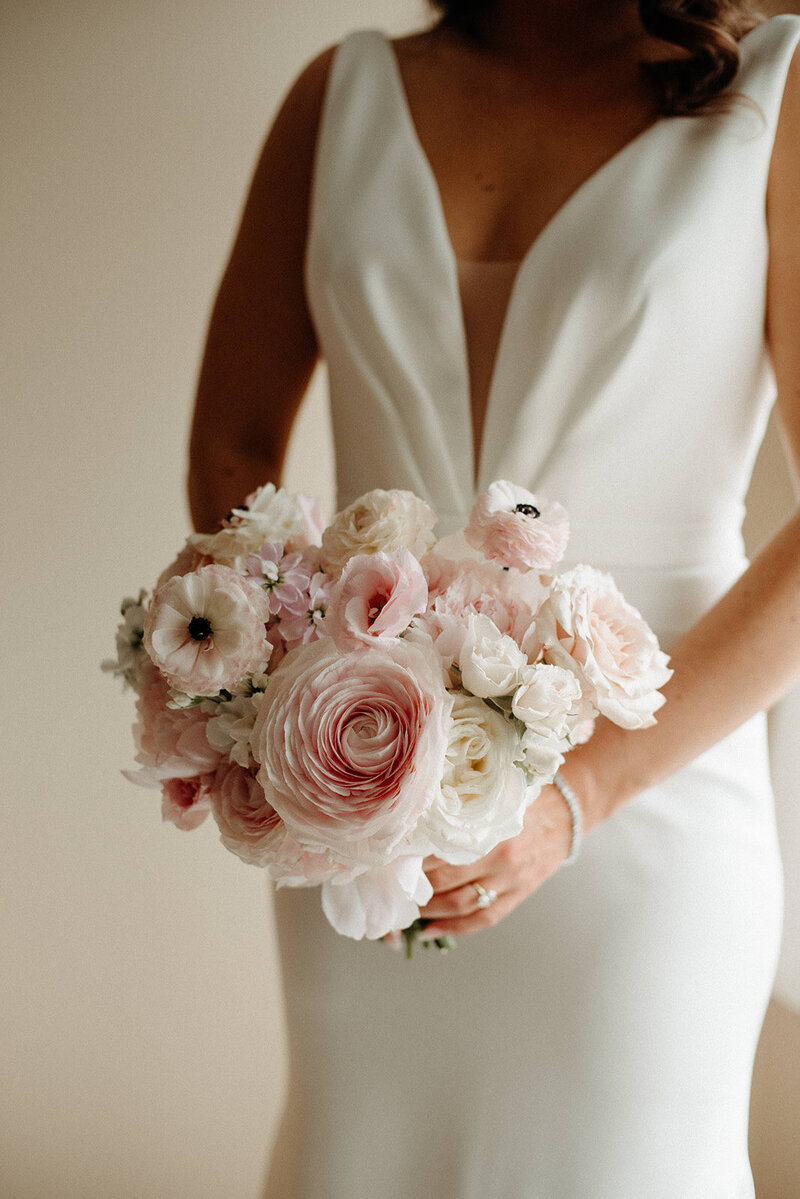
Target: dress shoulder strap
357,117
765,55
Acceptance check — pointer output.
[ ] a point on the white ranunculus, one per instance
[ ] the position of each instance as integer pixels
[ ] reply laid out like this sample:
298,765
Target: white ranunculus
483,794
588,627
490,661
379,900
205,630
379,521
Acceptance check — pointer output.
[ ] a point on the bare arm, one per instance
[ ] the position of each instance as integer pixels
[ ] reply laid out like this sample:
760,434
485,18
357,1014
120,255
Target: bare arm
261,347
745,653
737,660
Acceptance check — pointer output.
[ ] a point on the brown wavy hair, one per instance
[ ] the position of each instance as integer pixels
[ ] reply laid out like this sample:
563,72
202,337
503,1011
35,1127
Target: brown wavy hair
708,30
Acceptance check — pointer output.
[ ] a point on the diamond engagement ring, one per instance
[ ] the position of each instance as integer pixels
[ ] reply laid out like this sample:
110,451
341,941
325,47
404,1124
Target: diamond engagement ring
485,898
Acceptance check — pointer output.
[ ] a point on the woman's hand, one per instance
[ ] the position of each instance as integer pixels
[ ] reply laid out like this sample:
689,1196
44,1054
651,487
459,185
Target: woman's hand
514,869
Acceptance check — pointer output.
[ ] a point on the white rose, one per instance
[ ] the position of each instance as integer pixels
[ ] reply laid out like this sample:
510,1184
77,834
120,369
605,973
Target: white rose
483,794
378,521
587,627
490,661
549,700
542,753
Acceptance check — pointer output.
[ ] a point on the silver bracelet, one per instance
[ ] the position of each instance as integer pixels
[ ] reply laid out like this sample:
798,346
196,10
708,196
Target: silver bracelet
577,817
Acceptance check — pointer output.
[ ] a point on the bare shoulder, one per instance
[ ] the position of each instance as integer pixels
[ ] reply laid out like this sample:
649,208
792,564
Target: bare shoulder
304,100
270,242
261,346
783,281
288,150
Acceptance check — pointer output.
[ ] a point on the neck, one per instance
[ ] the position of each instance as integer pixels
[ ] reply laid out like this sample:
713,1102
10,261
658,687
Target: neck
570,32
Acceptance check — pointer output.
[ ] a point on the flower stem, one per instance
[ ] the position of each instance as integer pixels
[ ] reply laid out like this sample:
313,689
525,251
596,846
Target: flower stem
412,934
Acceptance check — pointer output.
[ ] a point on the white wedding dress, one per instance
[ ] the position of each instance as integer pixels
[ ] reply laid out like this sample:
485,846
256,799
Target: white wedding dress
598,1043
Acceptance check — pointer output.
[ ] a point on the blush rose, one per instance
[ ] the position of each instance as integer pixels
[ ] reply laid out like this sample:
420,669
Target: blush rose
587,626
377,596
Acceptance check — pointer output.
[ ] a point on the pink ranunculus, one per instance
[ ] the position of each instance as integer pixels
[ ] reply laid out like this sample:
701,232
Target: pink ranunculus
171,743
377,596
516,528
588,627
187,802
248,824
251,828
205,630
352,745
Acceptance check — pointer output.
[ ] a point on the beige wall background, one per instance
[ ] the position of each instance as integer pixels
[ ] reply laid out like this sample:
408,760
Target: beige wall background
142,1050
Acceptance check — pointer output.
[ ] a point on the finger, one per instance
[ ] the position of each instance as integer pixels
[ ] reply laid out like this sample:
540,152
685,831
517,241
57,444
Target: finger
446,877
394,940
457,926
431,862
460,901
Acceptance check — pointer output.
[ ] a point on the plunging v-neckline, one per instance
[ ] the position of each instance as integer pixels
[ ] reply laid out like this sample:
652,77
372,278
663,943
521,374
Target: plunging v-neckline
525,263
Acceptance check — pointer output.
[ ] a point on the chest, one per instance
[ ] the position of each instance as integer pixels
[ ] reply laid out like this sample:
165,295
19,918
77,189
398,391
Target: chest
506,157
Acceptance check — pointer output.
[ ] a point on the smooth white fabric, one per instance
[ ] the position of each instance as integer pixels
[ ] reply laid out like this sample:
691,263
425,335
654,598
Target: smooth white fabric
598,1043
484,289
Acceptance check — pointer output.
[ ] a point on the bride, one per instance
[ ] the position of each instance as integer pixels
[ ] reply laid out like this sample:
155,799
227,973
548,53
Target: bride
546,242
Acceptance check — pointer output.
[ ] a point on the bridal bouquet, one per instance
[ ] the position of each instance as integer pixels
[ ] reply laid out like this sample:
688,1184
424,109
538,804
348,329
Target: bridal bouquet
346,701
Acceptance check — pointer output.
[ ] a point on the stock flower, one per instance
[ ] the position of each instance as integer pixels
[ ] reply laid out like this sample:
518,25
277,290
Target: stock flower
298,628
516,528
205,630
131,661
230,725
283,577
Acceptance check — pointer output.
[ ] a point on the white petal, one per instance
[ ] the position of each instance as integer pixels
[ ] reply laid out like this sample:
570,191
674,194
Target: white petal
382,899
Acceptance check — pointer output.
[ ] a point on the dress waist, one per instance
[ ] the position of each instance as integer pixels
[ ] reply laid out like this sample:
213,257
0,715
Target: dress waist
673,570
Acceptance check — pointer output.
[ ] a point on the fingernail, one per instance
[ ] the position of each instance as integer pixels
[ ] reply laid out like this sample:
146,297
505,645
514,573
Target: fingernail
430,933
